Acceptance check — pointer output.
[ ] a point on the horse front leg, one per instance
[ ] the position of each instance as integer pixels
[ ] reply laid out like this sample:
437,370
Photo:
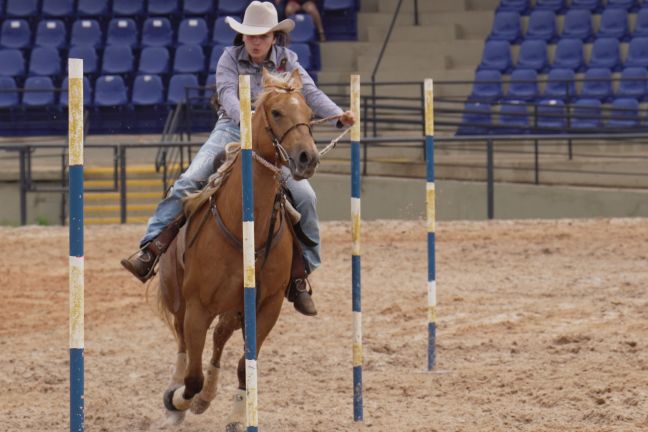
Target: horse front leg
227,324
177,377
267,316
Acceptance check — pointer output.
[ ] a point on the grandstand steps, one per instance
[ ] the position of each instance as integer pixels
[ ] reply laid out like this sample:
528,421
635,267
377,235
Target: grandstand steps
388,6
442,32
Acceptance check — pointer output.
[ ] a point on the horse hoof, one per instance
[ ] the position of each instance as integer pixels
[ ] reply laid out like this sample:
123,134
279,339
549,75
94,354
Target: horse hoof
173,403
235,427
199,405
174,418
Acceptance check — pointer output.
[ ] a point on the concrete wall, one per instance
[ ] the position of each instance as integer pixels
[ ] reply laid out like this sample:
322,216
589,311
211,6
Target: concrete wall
42,208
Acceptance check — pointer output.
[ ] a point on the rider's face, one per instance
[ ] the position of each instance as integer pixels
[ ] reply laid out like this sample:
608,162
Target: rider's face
259,46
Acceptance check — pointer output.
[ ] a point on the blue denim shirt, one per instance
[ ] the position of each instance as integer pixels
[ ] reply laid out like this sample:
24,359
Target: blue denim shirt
236,61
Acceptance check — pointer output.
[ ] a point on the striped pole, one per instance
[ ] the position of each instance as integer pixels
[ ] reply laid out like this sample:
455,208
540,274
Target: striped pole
355,256
75,144
249,282
431,216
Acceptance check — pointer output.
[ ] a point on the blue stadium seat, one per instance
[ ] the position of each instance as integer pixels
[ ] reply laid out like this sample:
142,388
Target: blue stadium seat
223,33
519,6
12,62
87,92
340,19
189,59
304,55
93,8
637,52
605,54
128,8
15,33
176,91
628,5
594,6
198,7
496,56
86,32
560,85
487,86
154,61
148,90
578,25
304,30
89,55
551,116
45,61
542,25
157,32
476,119
58,8
40,97
339,5
231,7
597,84
22,8
8,99
523,85
210,84
569,54
513,118
122,31
192,31
586,114
117,59
110,91
506,26
533,55
614,24
162,7
641,24
216,53
557,6
633,83
51,33
624,113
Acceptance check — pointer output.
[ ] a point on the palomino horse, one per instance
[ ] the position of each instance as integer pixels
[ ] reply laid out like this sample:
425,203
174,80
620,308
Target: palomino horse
201,275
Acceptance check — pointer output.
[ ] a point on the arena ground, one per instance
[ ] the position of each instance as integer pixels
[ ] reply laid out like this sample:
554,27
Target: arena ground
543,327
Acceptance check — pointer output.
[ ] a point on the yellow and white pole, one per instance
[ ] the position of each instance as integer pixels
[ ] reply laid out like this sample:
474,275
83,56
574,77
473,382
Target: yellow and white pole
431,220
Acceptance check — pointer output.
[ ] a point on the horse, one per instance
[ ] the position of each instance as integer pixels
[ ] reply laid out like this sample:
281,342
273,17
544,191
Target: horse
201,274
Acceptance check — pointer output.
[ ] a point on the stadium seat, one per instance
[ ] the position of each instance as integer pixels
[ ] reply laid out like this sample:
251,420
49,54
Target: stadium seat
304,30
110,91
38,96
569,55
210,84
176,92
93,8
641,23
556,6
624,113
89,56
506,26
633,83
117,59
605,54
338,5
487,86
523,85
614,24
8,99
223,33
637,53
58,8
533,55
513,118
340,19
594,6
216,53
128,8
586,114
87,92
154,61
231,7
496,56
551,116
542,25
304,55
192,31
51,33
12,63
476,119
86,32
157,32
628,5
189,59
45,61
578,25
148,90
162,7
22,8
560,85
519,6
597,84
198,7
15,33
122,31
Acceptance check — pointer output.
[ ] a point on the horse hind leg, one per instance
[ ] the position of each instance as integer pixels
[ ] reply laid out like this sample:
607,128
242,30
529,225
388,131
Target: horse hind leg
227,324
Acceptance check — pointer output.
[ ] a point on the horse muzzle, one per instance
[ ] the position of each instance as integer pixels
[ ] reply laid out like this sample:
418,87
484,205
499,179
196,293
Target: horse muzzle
304,164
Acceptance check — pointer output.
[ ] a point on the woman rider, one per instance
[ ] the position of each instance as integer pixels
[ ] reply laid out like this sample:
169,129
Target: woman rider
259,44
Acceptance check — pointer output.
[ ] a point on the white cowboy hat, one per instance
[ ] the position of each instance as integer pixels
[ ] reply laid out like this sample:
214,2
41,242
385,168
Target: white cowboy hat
260,18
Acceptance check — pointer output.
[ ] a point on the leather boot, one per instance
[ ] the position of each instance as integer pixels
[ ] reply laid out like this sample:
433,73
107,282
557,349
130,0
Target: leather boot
300,295
142,264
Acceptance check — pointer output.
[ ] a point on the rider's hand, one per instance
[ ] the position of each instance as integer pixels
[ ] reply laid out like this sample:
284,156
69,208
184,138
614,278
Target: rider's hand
347,118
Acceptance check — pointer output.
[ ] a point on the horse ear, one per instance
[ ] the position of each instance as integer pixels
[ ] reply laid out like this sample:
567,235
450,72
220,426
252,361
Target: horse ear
267,78
295,80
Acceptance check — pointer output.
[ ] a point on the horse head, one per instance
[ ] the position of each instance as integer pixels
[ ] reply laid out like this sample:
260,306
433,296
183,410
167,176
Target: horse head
282,111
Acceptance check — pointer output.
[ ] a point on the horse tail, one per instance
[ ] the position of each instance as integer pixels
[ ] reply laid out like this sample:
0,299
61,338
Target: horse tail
166,315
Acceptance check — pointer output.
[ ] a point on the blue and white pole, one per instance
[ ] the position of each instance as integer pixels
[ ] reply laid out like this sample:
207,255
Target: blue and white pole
431,224
249,282
76,266
355,254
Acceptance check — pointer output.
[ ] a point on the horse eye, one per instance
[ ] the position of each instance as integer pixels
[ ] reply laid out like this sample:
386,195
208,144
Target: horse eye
276,114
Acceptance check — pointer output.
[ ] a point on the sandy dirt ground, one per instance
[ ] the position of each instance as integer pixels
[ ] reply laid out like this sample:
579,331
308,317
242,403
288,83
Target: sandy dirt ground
543,326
